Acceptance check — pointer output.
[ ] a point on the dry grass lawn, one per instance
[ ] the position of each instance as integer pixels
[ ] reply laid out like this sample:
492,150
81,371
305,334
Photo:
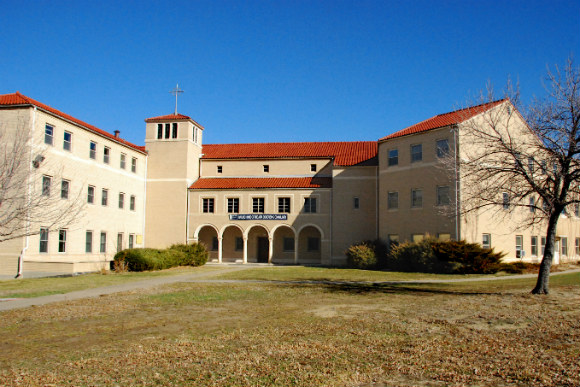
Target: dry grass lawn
277,334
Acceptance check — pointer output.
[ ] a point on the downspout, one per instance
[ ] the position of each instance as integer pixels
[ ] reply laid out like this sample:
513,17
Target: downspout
27,238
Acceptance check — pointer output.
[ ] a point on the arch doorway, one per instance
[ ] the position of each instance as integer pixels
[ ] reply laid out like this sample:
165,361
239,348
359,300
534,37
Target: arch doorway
284,245
309,246
232,244
209,237
258,245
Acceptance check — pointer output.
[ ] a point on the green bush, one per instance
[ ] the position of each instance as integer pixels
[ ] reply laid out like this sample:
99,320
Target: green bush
155,259
435,256
361,256
416,257
196,253
471,258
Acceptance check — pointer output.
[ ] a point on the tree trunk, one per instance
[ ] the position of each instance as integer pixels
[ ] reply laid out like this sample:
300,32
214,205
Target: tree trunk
542,285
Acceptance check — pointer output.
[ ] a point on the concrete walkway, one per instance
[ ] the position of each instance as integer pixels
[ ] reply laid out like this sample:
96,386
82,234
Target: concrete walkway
205,277
18,303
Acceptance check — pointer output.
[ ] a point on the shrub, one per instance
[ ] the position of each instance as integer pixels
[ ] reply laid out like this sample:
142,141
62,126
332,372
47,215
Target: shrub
416,257
155,259
471,258
197,254
361,256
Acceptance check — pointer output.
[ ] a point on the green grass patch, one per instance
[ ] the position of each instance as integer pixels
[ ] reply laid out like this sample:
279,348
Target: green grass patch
304,273
36,287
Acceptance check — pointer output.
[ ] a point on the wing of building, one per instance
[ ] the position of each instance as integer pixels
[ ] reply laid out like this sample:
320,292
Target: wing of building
285,203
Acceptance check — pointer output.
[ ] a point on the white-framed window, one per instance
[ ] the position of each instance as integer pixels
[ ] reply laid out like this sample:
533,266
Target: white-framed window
443,196
132,203
103,242
119,241
519,244
208,205
486,241
62,241
313,167
266,168
219,169
48,134
233,205
356,203
89,241
90,194
313,244
258,205
442,147
393,157
532,204
531,163
174,131
43,247
416,153
284,205
67,141
134,165
534,246
93,150
159,131
564,246
505,200
64,188
104,197
310,205
416,198
543,244
121,200
106,155
576,210
123,161
239,244
416,238
288,244
46,183
444,236
131,241
392,200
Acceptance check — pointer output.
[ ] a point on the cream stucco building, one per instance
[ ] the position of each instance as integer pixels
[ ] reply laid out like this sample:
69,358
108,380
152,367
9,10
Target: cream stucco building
284,203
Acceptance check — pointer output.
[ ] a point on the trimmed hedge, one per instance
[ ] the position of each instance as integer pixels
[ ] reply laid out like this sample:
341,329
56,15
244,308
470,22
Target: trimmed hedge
361,256
155,259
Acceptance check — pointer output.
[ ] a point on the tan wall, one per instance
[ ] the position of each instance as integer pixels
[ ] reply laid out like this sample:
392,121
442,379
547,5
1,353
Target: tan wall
173,164
351,225
81,171
425,175
255,168
297,220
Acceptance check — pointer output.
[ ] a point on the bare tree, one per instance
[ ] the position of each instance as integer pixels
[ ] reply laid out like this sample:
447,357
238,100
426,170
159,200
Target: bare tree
525,166
32,191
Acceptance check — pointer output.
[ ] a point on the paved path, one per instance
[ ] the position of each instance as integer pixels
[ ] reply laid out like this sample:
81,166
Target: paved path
17,303
202,277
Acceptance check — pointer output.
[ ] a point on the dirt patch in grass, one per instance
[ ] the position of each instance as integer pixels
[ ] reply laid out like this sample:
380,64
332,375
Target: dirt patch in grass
297,335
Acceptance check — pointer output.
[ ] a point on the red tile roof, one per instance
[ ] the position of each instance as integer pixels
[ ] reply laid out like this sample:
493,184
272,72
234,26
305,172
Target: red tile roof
442,120
262,182
344,153
17,99
172,117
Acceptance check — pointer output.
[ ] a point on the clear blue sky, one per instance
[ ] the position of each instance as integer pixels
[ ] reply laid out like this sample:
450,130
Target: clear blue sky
262,71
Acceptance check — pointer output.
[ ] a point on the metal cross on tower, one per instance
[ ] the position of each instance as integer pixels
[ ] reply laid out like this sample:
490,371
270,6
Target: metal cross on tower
176,91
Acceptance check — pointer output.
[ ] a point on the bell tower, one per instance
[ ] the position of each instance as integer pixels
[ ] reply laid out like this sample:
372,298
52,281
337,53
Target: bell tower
173,143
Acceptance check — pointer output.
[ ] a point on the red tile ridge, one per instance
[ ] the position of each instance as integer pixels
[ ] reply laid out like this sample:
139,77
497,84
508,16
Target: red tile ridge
445,119
16,99
173,117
